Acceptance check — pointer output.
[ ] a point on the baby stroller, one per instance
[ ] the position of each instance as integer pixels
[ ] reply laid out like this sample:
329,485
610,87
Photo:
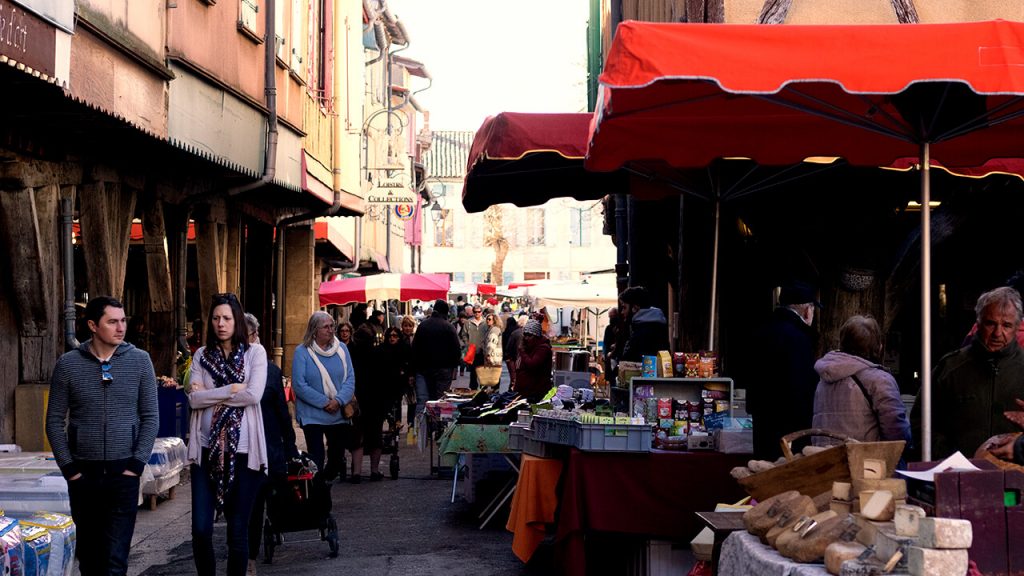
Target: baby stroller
303,502
389,441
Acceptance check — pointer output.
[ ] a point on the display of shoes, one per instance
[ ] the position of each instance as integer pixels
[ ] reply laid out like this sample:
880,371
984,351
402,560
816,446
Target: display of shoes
376,476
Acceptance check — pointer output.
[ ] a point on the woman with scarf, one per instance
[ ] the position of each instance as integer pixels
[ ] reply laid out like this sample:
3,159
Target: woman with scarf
227,449
324,381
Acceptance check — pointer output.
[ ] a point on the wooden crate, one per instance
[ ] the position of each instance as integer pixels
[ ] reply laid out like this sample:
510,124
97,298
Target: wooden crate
979,496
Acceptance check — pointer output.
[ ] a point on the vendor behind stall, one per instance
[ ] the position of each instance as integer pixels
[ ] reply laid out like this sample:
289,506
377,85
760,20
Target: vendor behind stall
533,368
648,328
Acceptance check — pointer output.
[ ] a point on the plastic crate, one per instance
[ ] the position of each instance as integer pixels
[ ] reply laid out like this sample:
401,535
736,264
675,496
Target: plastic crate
615,437
555,431
542,449
516,435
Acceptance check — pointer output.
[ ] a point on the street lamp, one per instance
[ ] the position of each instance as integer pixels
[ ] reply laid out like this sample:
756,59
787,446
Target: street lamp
436,212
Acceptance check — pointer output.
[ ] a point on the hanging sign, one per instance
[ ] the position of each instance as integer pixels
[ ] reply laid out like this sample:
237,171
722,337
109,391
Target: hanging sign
391,192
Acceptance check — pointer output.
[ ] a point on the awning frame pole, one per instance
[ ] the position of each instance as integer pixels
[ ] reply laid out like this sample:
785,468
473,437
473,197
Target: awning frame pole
926,305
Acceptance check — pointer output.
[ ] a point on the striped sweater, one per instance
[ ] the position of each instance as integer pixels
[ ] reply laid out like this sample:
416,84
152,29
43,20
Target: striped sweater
95,426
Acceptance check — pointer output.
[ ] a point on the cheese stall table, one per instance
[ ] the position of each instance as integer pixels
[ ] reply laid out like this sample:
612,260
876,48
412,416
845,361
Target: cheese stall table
743,553
649,494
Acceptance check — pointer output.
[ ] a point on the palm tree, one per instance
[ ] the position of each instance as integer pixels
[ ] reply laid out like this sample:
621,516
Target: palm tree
494,236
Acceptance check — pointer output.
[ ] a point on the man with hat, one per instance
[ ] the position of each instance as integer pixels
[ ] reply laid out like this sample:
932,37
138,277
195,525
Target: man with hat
435,354
781,380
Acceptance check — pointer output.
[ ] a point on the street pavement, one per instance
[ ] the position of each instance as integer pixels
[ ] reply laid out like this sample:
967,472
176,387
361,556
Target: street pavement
407,526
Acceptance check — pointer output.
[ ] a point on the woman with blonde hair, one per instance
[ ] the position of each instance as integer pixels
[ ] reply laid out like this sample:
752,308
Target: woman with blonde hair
492,349
227,447
324,381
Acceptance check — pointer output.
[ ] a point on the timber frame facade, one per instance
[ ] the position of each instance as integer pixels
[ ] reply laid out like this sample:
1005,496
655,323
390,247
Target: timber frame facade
160,153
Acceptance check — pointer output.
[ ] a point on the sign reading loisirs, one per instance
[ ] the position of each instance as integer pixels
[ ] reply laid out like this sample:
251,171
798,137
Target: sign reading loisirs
391,192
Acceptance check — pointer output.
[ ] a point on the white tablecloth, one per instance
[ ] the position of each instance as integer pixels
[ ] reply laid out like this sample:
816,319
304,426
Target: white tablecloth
743,554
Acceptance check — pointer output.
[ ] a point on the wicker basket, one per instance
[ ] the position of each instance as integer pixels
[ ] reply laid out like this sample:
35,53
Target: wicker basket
809,475
488,375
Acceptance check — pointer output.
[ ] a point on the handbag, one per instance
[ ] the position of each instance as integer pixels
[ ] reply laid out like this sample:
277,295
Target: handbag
351,409
470,354
488,375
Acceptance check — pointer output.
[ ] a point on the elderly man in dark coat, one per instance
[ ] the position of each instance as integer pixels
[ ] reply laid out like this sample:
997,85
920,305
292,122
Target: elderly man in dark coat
973,387
781,380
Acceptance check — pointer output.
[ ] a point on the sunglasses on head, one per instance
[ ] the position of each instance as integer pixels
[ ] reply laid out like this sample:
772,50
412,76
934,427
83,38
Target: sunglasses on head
107,377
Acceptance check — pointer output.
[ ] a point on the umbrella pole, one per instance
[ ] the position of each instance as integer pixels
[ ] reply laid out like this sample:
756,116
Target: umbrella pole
714,276
926,305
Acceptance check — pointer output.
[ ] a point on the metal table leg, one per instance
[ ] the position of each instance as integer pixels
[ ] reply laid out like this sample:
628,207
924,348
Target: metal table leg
503,495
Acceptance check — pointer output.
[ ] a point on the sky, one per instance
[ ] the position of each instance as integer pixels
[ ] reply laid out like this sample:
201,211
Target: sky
490,56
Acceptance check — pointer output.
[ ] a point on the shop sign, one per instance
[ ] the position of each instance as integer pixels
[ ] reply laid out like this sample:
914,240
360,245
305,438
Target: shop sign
405,212
27,39
391,192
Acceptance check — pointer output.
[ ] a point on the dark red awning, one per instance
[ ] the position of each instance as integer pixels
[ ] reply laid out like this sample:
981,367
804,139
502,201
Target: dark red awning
528,159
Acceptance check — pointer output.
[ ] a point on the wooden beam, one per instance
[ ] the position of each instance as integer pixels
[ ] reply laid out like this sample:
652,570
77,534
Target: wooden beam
105,216
695,10
774,11
161,296
906,13
233,247
10,365
714,11
24,246
208,261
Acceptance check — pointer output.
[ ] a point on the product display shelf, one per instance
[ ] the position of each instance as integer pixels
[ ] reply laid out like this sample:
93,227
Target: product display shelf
679,388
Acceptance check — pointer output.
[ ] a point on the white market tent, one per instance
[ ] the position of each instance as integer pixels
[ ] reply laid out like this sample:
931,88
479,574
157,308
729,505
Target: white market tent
599,292
592,297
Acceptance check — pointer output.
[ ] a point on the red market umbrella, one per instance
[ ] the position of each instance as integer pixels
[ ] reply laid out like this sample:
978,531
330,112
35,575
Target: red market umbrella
688,94
527,159
384,287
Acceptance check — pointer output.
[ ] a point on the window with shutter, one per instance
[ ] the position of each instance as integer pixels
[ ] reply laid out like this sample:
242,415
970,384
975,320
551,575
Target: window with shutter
247,10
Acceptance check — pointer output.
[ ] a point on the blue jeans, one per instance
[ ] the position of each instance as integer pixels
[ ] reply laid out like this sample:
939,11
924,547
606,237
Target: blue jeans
103,506
431,385
238,504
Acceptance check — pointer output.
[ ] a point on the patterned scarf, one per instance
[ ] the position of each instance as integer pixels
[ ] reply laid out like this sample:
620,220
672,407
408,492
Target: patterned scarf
226,423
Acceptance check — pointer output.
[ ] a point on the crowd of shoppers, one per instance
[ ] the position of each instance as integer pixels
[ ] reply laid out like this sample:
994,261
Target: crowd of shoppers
346,378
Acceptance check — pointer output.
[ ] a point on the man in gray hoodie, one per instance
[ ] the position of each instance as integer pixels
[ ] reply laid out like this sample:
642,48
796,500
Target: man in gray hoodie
101,421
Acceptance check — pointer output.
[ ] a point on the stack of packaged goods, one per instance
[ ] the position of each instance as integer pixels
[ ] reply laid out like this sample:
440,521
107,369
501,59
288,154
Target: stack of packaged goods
37,544
163,472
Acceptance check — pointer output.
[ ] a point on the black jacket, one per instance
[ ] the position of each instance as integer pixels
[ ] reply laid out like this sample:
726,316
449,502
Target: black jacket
781,381
435,346
277,423
648,336
971,388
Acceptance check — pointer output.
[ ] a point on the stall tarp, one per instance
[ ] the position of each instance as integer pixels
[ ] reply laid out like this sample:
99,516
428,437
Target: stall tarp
529,158
781,94
401,287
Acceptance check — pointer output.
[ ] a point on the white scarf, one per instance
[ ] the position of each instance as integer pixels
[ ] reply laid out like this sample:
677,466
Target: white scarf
329,388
